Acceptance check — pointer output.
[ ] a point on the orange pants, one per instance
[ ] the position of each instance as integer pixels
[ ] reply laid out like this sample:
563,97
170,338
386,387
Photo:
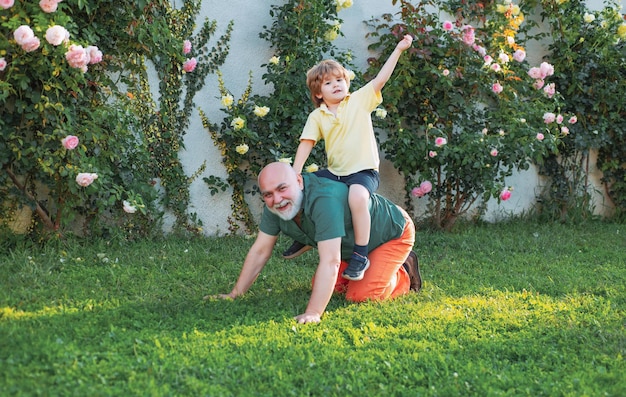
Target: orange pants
386,277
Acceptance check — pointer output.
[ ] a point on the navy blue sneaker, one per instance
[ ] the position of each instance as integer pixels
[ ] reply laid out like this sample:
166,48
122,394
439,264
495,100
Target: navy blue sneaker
296,249
357,267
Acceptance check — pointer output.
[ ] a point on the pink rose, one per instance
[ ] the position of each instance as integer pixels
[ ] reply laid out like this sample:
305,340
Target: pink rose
573,120
190,65
95,55
488,59
56,35
70,142
538,84
31,44
447,26
77,57
505,195
535,73
426,187
494,152
6,4
564,130
519,55
559,119
546,69
85,179
440,141
49,5
540,136
417,192
186,47
445,72
549,90
23,34
495,67
468,35
496,88
549,118
432,154
3,64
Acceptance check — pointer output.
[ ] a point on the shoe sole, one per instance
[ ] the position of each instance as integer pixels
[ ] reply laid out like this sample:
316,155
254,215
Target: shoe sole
417,288
298,252
359,277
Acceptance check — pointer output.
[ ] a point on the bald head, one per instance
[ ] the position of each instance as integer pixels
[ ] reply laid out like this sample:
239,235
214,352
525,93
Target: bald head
281,189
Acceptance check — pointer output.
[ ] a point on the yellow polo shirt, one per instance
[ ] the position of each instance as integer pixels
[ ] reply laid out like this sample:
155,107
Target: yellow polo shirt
349,137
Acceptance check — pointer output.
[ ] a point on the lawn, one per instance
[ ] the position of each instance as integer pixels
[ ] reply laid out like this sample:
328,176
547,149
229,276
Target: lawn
512,309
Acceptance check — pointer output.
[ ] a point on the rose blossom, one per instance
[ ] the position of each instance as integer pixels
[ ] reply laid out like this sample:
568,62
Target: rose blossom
559,119
190,65
440,141
496,88
70,142
6,4
505,195
85,179
494,152
3,64
49,5
503,58
538,84
573,120
445,72
77,57
186,47
447,26
426,187
312,168
56,35
227,100
488,59
237,123
468,35
128,208
261,111
417,192
549,118
549,90
94,53
31,44
519,55
23,34
540,136
564,130
432,154
242,149
495,67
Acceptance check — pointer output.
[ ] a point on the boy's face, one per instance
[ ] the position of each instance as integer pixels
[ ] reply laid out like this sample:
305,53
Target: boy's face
334,89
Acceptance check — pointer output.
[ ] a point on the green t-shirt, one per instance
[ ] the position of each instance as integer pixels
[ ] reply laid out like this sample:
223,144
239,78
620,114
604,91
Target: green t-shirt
326,215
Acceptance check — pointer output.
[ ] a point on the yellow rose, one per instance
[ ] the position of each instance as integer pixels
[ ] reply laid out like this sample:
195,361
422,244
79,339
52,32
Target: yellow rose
227,100
274,60
621,31
312,168
238,123
381,113
242,149
285,160
351,75
261,111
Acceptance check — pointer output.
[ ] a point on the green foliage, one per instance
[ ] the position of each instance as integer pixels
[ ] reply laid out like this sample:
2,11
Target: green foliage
590,51
445,88
301,35
514,309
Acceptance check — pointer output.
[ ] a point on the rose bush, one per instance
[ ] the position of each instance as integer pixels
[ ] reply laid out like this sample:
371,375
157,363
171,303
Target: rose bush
590,48
464,108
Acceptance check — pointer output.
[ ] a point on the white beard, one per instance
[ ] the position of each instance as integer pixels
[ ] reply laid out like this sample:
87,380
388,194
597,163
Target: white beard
292,212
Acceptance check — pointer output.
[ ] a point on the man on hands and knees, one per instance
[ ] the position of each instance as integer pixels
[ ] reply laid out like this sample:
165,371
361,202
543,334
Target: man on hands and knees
316,211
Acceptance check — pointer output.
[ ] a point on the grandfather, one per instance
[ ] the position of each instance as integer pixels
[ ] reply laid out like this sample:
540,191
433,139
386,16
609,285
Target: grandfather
315,211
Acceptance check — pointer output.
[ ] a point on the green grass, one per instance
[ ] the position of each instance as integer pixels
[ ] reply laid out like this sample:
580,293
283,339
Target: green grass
515,309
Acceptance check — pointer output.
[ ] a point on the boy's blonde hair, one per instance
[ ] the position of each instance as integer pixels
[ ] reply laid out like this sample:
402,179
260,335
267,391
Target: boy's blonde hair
316,75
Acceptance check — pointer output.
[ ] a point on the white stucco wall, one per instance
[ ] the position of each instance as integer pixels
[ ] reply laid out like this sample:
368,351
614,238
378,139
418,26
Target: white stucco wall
247,53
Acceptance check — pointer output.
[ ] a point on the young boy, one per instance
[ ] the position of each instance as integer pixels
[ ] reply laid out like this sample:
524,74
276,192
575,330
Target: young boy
343,120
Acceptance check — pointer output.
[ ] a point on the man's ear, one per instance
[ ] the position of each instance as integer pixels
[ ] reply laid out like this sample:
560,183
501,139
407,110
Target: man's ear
300,181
